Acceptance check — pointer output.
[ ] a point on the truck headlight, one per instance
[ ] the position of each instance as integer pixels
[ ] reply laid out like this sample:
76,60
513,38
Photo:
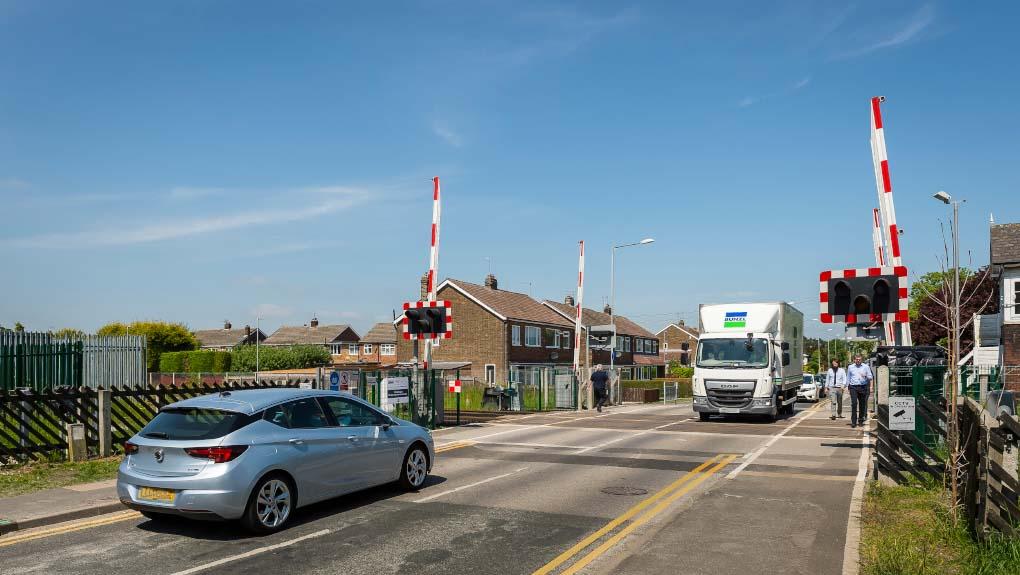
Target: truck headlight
700,400
762,402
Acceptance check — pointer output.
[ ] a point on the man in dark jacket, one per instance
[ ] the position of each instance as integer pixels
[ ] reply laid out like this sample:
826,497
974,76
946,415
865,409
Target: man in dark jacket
600,386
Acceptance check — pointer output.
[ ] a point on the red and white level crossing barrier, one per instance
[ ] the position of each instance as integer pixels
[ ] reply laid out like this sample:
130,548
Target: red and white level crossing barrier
900,272
433,265
429,336
455,386
876,237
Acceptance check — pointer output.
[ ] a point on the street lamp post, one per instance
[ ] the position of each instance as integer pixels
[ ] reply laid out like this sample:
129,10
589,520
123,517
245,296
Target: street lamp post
955,336
612,299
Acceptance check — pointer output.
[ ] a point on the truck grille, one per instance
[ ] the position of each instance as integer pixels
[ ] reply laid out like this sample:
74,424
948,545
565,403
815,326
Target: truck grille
730,397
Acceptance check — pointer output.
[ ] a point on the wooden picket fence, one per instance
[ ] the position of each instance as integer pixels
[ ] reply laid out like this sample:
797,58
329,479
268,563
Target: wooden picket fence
988,482
34,423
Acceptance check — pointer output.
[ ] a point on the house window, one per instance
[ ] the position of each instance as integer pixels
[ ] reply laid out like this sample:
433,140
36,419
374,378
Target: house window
336,348
515,374
626,344
639,345
565,339
367,348
388,348
552,337
655,347
490,373
1013,312
532,336
515,335
352,348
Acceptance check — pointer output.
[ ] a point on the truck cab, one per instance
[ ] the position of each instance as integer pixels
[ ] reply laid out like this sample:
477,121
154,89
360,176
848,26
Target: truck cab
748,360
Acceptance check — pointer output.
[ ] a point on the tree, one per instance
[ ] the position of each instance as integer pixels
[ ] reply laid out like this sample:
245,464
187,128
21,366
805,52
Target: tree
930,283
68,333
18,327
159,337
979,294
276,358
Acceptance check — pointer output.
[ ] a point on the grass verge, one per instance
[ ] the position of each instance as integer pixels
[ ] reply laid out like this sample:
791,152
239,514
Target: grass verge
910,530
29,477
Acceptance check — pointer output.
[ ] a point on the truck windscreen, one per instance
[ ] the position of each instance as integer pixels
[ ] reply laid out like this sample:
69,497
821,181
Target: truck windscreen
733,353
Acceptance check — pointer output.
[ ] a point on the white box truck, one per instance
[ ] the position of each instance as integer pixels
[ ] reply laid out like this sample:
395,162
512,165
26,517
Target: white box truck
748,359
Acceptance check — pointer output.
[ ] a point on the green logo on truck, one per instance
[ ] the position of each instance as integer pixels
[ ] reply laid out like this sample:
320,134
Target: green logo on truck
735,319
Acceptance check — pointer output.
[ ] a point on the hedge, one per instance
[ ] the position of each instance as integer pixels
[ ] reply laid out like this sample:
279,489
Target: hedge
195,361
275,358
685,389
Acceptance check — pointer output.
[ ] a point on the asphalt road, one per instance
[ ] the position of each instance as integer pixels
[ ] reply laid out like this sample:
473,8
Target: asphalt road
642,489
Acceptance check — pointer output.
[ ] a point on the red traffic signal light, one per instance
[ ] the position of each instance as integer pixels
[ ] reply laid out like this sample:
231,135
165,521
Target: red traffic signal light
428,320
864,295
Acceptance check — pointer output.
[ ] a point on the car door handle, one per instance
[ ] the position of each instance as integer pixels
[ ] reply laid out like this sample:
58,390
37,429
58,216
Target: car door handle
352,438
296,441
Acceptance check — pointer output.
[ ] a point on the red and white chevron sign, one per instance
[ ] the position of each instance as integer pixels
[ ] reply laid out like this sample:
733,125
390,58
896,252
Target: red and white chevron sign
455,386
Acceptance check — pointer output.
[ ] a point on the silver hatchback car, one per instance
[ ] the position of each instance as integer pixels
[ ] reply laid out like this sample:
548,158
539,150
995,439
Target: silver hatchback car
256,455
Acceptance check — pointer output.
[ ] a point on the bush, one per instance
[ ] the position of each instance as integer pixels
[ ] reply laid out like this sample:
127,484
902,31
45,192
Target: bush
684,390
277,358
160,337
195,361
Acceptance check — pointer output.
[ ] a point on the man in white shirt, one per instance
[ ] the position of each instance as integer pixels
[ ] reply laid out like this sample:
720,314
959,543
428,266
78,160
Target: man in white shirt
835,383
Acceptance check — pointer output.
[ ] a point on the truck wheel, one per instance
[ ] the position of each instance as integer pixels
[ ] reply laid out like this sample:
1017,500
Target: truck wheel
703,416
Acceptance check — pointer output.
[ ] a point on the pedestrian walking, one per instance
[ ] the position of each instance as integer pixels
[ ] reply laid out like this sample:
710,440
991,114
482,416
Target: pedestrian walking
599,384
835,384
859,378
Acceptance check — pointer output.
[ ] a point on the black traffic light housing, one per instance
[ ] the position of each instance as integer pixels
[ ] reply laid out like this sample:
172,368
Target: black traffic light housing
428,320
864,295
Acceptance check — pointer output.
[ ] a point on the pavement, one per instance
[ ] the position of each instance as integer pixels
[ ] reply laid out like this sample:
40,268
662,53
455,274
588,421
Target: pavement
638,489
50,506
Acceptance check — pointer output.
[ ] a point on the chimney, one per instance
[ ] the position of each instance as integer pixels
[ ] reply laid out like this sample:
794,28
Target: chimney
314,322
680,323
569,300
226,324
424,286
607,309
247,331
490,282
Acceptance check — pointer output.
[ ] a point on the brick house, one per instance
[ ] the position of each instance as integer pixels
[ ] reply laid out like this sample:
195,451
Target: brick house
637,348
1005,261
227,338
506,336
341,340
678,342
379,346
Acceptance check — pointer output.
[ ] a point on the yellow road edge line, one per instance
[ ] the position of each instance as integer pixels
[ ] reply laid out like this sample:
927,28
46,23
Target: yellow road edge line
609,543
104,520
580,545
455,445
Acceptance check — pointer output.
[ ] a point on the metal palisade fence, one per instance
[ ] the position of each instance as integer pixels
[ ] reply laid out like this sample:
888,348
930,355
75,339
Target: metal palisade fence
41,361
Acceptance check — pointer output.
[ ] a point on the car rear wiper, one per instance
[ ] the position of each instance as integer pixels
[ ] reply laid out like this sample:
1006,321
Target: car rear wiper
156,435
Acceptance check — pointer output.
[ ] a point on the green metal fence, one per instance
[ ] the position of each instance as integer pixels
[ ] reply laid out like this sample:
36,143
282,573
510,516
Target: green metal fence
37,361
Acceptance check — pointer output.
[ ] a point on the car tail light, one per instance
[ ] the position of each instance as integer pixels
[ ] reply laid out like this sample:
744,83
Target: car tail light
217,454
130,448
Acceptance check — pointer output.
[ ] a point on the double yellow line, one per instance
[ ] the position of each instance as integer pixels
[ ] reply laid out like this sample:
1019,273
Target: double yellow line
454,445
661,500
7,541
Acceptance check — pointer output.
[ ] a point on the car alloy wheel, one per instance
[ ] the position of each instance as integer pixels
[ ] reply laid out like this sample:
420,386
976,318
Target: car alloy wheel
272,507
416,468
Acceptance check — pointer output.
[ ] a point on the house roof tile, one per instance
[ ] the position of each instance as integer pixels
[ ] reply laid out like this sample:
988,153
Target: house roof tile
511,305
221,337
1005,243
303,334
624,326
381,333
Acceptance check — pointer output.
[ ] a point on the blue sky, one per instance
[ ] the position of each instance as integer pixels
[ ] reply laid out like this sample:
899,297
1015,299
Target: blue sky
199,161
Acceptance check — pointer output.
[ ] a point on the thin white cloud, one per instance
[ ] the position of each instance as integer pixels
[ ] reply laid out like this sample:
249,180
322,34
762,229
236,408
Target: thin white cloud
448,135
559,31
13,184
323,201
802,83
918,22
267,310
191,193
747,101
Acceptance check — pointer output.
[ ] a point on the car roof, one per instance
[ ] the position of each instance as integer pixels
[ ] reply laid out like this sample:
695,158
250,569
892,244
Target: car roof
249,401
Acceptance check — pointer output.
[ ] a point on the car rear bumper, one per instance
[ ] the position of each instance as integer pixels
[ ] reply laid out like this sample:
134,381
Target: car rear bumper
202,499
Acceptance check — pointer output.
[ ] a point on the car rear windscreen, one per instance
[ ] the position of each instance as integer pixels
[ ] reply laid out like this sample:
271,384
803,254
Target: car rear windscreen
189,423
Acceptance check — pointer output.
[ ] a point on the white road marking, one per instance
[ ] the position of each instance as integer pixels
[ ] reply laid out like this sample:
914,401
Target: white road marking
638,434
515,444
253,552
802,416
851,549
468,486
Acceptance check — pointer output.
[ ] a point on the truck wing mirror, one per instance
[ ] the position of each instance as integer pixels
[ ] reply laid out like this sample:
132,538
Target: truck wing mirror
785,345
786,359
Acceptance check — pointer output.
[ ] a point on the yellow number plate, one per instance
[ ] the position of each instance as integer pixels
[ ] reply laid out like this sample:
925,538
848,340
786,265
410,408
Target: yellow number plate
156,494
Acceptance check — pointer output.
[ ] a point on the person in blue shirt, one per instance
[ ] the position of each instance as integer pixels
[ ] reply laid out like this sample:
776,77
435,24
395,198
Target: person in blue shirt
859,378
599,383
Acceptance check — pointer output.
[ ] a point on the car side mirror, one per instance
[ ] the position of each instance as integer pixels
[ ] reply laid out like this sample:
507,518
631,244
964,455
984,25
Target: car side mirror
386,422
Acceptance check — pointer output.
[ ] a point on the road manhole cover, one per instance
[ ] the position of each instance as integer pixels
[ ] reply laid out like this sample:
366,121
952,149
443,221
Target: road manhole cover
624,490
